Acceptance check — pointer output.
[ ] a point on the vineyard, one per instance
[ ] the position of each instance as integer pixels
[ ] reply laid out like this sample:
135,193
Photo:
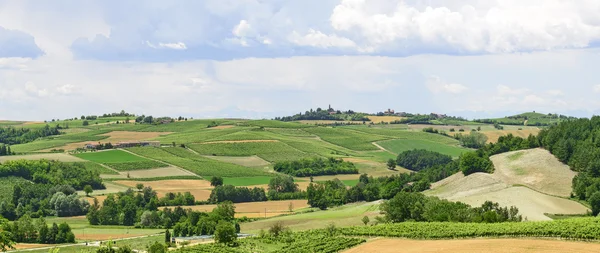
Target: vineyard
575,228
137,165
305,242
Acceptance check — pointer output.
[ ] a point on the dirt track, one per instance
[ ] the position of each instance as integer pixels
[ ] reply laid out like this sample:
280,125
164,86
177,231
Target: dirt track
475,246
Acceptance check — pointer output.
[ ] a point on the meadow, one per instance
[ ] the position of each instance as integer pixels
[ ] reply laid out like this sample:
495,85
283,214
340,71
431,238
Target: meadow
197,164
272,151
401,145
348,138
110,156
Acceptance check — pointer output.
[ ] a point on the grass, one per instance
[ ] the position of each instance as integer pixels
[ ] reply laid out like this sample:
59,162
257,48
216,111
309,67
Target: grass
343,216
111,156
137,165
351,182
197,164
59,141
515,156
348,138
275,124
198,135
401,145
245,181
290,132
394,133
270,151
244,135
69,249
98,168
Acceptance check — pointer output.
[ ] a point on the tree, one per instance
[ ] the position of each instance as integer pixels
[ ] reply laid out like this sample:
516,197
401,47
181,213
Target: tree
391,164
88,189
365,220
85,123
595,203
226,210
216,181
167,237
225,233
157,248
139,187
6,241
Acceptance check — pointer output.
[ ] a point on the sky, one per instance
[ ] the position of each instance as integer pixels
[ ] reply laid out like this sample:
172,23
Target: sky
268,58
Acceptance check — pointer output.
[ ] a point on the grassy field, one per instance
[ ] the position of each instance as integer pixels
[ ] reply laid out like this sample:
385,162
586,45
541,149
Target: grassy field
343,216
137,165
197,164
99,168
270,151
110,156
401,145
53,156
348,138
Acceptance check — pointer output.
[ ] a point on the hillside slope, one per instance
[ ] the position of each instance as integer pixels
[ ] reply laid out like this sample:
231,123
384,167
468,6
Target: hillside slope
532,180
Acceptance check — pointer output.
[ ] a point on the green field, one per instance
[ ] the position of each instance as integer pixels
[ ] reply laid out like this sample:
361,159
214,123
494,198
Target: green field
98,168
270,151
244,181
197,164
401,145
111,156
348,138
137,165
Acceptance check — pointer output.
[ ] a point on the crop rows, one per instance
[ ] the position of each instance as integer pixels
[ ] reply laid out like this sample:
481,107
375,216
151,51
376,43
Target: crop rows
409,135
98,168
270,151
199,165
137,165
350,139
323,244
575,228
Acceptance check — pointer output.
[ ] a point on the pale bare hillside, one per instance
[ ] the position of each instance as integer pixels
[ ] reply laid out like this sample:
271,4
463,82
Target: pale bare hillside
536,169
532,205
461,187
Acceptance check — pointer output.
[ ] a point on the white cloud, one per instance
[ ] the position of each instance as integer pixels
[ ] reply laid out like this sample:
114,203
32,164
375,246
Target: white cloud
318,39
471,26
597,88
174,46
555,93
505,90
243,29
436,85
533,100
66,89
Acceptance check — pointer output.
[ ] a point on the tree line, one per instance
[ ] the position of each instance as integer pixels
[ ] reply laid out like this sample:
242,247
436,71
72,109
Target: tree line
280,188
25,230
329,114
414,206
12,135
39,200
52,172
315,167
5,150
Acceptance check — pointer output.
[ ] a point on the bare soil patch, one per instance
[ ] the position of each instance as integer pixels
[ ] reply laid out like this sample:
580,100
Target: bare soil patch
377,119
258,209
30,245
199,188
495,134
355,160
114,137
475,246
532,204
248,161
151,173
242,141
534,168
54,156
222,127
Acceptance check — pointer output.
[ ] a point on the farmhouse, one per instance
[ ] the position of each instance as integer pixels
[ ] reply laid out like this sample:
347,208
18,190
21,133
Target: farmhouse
90,146
389,112
129,144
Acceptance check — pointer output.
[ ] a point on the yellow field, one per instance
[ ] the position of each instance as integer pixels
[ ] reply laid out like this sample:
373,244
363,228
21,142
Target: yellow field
151,173
377,119
493,135
259,209
199,188
54,156
475,246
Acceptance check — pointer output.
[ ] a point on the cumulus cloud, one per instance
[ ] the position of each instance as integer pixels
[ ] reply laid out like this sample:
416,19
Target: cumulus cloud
175,46
555,93
597,88
506,90
470,26
15,43
318,39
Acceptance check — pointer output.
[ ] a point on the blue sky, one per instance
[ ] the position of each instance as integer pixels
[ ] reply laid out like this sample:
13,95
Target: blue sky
261,59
